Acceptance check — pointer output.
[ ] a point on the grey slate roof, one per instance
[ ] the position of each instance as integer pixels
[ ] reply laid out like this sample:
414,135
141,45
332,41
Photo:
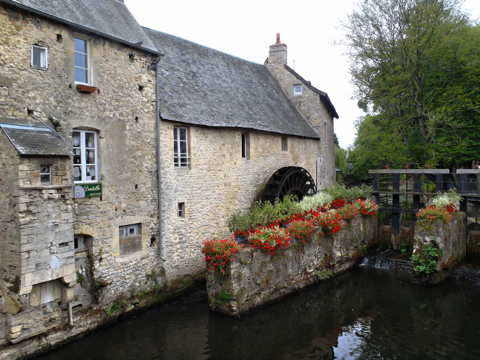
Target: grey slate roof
202,86
34,138
323,95
107,17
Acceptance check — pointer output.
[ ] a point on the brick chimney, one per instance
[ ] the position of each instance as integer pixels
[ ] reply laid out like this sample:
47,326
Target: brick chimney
278,51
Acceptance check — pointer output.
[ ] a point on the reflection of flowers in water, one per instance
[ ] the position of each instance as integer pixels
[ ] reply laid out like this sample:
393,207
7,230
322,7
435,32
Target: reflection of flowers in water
79,192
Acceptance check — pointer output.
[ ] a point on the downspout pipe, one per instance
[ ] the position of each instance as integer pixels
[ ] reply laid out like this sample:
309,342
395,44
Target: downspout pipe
159,163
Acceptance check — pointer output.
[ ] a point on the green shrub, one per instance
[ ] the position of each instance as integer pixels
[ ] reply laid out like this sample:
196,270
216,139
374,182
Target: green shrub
426,257
339,191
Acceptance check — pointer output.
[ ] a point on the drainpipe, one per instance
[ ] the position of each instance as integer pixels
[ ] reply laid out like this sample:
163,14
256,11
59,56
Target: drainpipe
157,94
70,314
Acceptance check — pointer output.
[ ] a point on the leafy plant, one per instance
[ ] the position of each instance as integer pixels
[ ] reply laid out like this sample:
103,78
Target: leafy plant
339,191
330,220
363,249
348,212
366,207
315,201
449,200
269,239
301,230
428,216
426,257
219,253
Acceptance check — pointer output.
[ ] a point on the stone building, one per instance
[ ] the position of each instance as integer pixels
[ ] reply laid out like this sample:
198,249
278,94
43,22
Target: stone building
80,226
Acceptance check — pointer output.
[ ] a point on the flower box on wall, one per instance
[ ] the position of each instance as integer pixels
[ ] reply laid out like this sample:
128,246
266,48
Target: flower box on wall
86,88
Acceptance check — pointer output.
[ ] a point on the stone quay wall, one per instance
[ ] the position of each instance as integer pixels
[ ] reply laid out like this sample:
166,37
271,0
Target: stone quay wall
255,278
451,238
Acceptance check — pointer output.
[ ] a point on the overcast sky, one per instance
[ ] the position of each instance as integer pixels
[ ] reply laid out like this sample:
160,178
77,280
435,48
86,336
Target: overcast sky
247,28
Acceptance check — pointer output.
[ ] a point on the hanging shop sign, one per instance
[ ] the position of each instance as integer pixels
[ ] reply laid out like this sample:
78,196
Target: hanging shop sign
88,190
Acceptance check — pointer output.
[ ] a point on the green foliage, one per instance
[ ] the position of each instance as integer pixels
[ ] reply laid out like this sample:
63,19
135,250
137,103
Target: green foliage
341,160
447,199
315,201
223,297
416,68
364,249
339,191
403,247
426,257
262,214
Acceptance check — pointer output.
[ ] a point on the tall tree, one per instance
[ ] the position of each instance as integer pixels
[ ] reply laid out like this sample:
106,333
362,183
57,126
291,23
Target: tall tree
405,56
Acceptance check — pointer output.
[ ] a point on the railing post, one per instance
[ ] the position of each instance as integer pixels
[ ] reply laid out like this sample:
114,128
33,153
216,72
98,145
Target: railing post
463,189
417,187
439,182
376,187
396,205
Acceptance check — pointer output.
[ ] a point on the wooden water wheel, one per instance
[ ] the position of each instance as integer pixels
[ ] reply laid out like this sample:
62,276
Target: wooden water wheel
289,180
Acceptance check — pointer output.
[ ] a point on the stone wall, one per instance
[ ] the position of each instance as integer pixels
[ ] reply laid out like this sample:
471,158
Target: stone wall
312,108
451,238
218,182
255,278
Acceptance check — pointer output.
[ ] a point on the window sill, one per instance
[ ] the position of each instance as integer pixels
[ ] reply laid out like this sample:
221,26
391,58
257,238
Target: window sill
39,67
43,187
86,88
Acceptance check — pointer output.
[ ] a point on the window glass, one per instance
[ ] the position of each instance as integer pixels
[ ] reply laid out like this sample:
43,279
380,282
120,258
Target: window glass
85,159
180,147
45,174
297,89
81,60
39,56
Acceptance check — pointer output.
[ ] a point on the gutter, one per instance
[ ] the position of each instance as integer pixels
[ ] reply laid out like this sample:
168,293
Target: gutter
63,21
159,163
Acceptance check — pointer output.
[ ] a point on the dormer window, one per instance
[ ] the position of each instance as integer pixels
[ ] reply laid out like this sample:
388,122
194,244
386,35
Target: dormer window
297,89
39,57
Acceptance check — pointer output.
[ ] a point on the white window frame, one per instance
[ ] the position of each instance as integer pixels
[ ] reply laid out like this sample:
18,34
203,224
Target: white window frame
88,68
177,155
44,173
43,57
83,163
128,230
295,89
79,243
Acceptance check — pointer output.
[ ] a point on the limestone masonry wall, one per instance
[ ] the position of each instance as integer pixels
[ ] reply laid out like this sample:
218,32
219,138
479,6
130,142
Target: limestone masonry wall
218,182
255,278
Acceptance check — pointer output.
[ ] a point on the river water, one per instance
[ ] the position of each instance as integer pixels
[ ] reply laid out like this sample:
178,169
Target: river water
366,313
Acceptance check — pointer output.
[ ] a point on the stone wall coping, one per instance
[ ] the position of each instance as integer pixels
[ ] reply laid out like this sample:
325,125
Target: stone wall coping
410,171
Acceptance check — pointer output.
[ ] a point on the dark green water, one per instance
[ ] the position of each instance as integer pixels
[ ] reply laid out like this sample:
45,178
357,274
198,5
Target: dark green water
366,313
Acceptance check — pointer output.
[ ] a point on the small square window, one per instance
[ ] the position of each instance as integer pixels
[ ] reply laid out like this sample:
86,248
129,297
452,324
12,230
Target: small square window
45,174
79,242
129,230
130,239
39,57
284,143
297,89
181,210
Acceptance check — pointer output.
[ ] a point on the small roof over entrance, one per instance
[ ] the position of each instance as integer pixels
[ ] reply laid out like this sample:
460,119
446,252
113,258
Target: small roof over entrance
32,137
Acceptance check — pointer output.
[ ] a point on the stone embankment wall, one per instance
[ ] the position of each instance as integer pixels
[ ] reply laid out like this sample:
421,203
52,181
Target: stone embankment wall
255,278
451,238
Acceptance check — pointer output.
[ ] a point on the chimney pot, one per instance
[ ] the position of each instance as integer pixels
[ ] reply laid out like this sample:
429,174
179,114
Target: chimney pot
278,39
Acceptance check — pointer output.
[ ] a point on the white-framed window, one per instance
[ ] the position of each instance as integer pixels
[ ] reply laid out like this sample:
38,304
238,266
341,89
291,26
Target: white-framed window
39,57
79,243
181,156
85,159
45,174
129,230
284,143
82,61
297,89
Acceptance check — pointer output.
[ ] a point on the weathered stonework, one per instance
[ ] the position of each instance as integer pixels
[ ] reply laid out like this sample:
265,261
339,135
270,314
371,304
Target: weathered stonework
312,108
43,273
451,238
255,278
